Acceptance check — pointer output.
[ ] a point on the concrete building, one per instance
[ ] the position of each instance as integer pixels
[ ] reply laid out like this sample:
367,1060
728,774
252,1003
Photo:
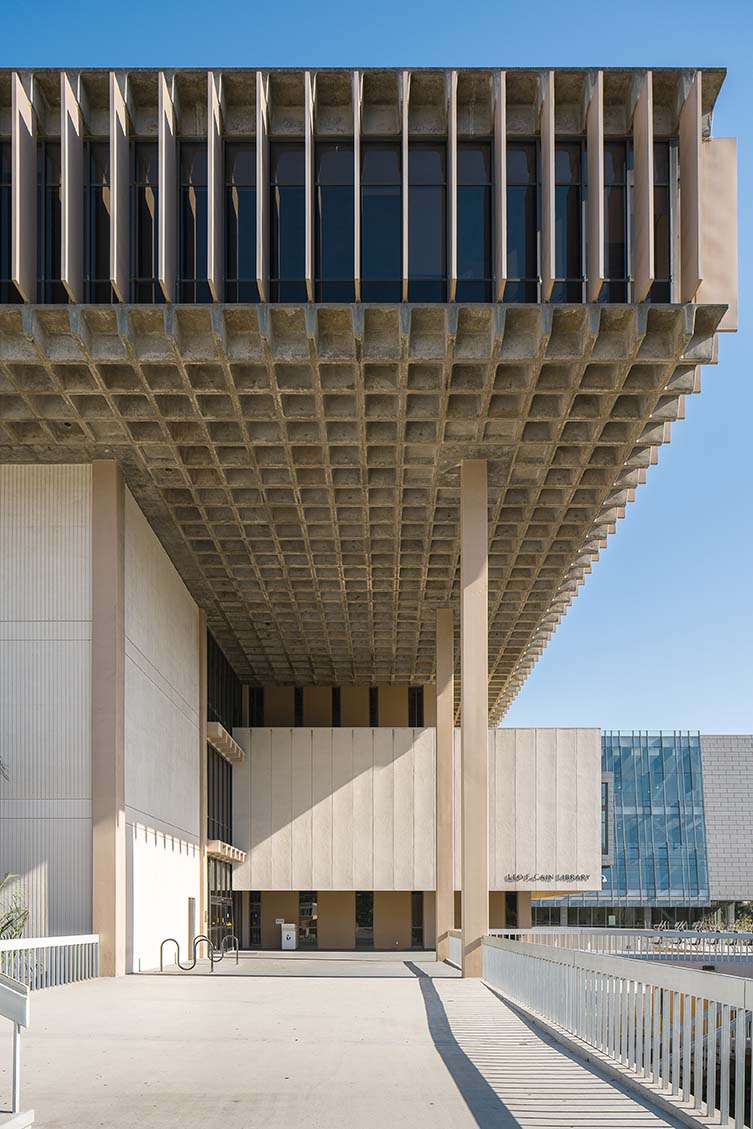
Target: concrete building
320,393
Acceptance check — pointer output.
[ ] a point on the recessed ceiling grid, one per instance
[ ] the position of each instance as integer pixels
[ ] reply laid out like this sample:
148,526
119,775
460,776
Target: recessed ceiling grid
301,464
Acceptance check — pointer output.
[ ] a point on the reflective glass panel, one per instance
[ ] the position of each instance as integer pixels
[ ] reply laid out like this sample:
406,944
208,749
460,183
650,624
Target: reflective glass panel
474,222
240,222
381,222
288,223
335,226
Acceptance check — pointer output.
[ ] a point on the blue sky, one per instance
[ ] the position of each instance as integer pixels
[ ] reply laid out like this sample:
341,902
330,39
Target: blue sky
661,635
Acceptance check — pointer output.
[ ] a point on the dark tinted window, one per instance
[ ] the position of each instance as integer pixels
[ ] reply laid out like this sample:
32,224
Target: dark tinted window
416,707
522,223
224,691
49,224
192,277
97,285
8,292
568,232
661,291
288,223
373,706
427,223
219,797
240,222
335,227
381,222
615,288
474,282
144,219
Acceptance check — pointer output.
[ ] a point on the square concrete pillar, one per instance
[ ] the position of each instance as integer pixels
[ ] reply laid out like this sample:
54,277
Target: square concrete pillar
474,710
445,847
108,716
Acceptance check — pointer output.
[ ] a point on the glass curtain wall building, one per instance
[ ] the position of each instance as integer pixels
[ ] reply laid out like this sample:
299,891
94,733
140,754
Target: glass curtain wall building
653,833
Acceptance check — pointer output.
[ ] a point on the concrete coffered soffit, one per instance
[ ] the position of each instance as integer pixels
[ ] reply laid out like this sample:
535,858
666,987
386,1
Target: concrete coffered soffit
301,464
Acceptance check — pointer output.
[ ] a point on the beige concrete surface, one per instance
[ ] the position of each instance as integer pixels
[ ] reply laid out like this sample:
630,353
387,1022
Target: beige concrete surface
392,919
337,919
350,1042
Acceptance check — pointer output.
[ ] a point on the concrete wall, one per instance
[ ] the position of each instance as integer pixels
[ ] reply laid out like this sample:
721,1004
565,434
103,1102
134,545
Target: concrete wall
161,744
353,809
45,692
728,802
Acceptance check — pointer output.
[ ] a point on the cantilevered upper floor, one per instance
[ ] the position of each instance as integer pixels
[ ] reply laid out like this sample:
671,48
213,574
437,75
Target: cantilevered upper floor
383,186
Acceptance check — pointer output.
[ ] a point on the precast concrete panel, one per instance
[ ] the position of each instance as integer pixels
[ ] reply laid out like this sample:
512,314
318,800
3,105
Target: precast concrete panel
452,183
384,816
500,185
322,801
405,108
72,190
546,127
691,234
45,693
643,191
262,186
595,161
353,809
719,209
357,94
302,753
215,188
403,808
120,175
309,82
24,188
161,738
168,187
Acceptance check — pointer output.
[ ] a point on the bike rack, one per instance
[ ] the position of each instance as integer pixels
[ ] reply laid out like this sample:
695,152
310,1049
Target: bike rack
201,939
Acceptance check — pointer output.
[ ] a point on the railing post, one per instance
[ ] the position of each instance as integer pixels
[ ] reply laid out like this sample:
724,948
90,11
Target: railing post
16,1098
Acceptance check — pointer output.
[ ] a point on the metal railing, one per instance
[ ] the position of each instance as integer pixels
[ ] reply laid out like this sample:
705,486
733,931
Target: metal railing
680,1031
47,962
14,1005
653,944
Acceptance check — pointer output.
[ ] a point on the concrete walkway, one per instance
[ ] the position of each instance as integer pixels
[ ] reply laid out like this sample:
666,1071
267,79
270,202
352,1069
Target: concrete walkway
331,1041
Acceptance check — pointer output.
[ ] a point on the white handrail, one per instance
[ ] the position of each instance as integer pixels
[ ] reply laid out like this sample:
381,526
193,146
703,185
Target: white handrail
679,1030
47,962
14,1005
654,944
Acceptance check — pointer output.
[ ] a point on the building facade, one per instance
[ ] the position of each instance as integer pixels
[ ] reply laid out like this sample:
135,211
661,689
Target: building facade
320,394
675,812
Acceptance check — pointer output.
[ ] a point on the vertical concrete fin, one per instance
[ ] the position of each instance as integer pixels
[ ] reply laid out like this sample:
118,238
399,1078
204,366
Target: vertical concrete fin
546,126
595,145
309,96
719,167
215,189
262,186
452,184
24,188
643,197
405,110
500,185
120,176
691,236
357,110
168,188
72,190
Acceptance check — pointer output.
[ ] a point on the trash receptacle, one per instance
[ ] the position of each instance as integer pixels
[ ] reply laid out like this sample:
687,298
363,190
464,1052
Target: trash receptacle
289,936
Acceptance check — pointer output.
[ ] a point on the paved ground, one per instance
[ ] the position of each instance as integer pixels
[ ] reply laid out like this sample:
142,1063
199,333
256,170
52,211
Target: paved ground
326,1042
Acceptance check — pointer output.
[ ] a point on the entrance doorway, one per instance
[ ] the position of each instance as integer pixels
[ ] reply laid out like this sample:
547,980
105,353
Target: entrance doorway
364,919
307,919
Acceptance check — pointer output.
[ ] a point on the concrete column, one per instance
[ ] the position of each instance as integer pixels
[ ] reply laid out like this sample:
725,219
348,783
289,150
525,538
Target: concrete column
474,710
563,916
525,912
444,906
107,720
203,890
